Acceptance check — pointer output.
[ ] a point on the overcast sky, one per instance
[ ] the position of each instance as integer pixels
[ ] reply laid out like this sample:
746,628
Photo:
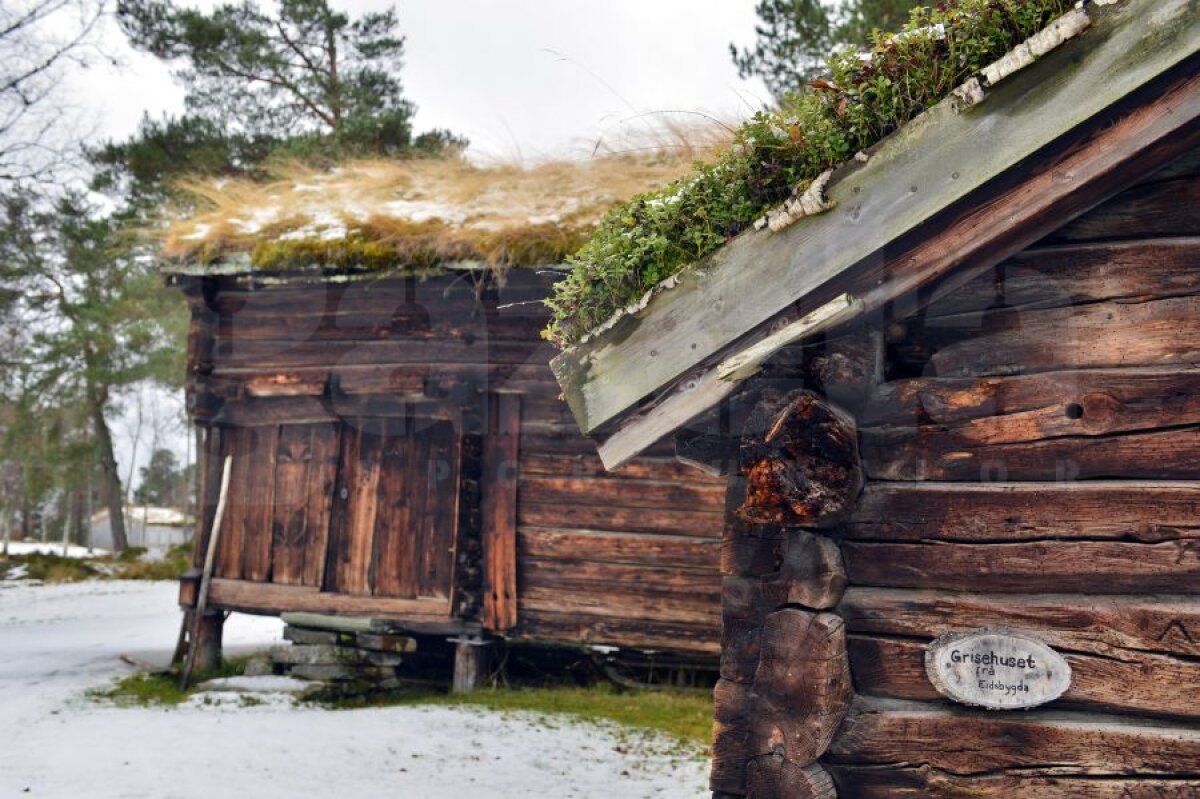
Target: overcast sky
520,78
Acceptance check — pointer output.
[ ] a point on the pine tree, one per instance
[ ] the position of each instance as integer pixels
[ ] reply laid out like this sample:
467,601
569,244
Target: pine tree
795,37
96,318
302,75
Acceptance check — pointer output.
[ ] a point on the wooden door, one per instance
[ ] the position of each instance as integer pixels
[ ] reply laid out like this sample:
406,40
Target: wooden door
395,516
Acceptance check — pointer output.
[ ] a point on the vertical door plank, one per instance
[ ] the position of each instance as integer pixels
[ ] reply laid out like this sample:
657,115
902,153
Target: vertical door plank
362,465
499,488
322,480
289,526
236,444
416,486
394,538
260,503
210,487
438,523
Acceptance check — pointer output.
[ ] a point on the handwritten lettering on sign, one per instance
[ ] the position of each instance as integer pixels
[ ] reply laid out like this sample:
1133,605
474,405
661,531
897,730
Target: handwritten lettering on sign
996,669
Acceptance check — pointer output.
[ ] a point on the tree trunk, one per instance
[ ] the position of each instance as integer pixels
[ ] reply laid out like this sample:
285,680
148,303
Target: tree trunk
108,468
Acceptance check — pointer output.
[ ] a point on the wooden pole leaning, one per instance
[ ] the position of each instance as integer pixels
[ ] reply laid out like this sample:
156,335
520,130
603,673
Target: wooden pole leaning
206,575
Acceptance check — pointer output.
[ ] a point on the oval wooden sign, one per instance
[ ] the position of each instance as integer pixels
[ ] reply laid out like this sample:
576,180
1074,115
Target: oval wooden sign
996,669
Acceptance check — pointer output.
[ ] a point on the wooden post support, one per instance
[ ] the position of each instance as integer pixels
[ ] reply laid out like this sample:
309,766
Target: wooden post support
785,672
472,662
206,640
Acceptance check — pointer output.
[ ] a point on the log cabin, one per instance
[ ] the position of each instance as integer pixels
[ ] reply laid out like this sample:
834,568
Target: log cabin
959,400
398,448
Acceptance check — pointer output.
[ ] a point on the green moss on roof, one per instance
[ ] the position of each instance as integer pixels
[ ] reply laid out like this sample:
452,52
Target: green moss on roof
864,97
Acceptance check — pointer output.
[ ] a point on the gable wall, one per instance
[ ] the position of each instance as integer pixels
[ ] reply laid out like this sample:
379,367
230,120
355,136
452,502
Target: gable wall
1031,462
624,559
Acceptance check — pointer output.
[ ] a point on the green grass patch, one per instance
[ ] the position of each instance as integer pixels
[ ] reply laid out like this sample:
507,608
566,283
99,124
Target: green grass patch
864,97
132,564
146,689
683,715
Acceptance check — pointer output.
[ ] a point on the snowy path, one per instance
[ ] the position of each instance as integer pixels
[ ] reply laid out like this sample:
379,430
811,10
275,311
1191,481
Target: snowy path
58,641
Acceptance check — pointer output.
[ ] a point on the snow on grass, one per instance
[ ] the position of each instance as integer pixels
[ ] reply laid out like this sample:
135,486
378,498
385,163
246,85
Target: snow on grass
57,642
51,548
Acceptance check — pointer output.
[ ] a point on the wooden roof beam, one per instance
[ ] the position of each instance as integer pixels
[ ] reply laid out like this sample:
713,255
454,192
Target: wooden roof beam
938,195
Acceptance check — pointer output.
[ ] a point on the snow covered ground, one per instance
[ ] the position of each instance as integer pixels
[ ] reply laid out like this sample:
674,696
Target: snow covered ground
58,641
52,548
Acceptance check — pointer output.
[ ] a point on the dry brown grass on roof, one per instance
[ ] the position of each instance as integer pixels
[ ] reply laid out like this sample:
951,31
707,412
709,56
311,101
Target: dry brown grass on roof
373,212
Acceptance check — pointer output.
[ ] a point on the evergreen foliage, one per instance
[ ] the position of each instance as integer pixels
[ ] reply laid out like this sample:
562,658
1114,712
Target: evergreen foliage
304,80
863,98
794,37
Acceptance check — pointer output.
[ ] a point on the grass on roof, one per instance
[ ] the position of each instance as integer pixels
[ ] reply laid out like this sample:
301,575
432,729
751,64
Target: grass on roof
374,214
863,98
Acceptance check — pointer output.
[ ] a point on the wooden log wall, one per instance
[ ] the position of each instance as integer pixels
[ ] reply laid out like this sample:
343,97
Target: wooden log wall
1029,450
297,377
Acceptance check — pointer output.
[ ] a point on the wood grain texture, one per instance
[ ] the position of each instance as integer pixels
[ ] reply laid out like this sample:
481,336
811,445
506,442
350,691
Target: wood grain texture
1093,336
665,633
1129,510
802,684
1095,567
322,483
1005,410
501,456
1072,274
270,599
889,732
922,782
1100,625
290,520
1160,209
772,776
1161,454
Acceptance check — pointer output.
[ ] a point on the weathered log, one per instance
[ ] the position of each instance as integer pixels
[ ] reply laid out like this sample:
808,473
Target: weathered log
583,628
734,710
624,591
652,494
773,777
1103,625
611,518
1154,455
748,549
1000,410
923,782
805,468
1098,567
270,598
501,451
689,552
1166,208
1010,512
1130,684
812,573
207,640
847,369
743,611
1098,335
890,732
472,662
1061,276
802,684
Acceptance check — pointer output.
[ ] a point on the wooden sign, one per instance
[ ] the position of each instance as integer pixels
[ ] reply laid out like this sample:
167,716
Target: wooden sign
996,669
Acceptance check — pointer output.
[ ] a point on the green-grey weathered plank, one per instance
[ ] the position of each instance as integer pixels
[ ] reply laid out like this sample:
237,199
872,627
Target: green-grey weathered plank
939,158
